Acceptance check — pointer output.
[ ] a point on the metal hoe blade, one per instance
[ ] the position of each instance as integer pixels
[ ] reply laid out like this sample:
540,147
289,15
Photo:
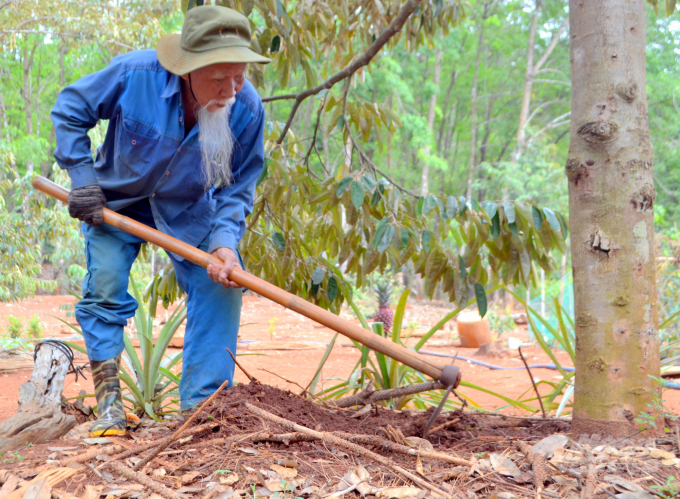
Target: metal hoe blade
451,379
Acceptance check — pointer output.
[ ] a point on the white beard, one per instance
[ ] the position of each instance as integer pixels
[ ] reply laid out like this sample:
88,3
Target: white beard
217,144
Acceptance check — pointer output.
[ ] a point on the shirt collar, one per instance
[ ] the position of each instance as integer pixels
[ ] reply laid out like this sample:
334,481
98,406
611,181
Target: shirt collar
172,88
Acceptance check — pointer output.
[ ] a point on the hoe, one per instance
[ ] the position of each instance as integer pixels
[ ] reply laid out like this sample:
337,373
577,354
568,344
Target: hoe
448,375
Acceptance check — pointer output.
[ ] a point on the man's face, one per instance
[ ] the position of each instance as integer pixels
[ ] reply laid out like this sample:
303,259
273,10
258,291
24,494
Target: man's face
214,85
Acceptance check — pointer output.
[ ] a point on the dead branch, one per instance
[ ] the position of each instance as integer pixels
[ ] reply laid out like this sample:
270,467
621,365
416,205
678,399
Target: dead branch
339,442
591,480
370,397
395,26
374,441
119,452
156,487
177,433
538,395
105,451
250,378
403,449
538,466
444,426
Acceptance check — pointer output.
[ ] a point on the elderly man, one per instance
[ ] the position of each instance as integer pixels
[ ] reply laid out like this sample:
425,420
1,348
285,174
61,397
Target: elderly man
182,153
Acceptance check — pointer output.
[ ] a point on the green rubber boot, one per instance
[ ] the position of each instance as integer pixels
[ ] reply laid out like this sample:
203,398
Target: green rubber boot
110,412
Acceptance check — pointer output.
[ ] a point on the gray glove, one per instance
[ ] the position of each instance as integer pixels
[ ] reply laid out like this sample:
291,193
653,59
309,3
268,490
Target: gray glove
87,204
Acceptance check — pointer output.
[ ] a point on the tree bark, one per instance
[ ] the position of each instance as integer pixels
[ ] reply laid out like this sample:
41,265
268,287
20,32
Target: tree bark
424,179
39,418
445,108
3,119
611,197
26,89
529,77
473,111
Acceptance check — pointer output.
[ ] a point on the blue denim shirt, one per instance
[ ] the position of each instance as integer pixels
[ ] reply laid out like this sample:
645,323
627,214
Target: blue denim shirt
146,155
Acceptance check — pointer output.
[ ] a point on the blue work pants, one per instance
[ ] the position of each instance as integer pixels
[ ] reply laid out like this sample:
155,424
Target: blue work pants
213,312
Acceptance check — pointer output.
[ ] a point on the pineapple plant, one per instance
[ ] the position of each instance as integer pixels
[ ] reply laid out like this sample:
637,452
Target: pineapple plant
384,314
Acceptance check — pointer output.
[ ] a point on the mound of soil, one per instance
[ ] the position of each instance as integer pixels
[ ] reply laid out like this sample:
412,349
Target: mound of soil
225,436
471,432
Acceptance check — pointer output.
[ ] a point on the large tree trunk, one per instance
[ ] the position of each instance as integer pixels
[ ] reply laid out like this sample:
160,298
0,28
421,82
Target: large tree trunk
611,197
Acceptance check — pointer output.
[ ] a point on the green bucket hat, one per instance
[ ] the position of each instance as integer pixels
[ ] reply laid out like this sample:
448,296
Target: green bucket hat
211,34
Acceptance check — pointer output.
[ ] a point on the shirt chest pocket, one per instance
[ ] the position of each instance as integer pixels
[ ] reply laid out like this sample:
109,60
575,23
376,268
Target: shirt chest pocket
137,148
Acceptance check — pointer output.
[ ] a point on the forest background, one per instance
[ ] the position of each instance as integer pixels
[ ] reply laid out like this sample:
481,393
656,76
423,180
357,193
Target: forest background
473,101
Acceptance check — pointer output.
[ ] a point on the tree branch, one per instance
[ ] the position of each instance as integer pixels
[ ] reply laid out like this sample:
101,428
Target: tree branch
256,215
363,155
538,109
553,124
316,131
557,82
395,26
673,196
279,97
551,45
56,33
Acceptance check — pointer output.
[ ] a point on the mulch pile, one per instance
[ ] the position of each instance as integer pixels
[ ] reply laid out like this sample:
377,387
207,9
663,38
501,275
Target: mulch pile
232,450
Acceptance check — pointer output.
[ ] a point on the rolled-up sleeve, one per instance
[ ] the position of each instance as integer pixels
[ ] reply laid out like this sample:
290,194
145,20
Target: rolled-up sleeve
235,202
77,110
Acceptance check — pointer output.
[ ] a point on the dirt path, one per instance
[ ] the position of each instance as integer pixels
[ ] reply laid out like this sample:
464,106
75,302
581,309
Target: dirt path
299,365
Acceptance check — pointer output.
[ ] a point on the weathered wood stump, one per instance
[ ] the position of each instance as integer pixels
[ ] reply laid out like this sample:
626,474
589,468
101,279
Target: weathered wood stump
39,417
13,360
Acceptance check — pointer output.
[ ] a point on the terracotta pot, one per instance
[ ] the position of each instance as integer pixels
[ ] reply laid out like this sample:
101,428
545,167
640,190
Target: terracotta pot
473,331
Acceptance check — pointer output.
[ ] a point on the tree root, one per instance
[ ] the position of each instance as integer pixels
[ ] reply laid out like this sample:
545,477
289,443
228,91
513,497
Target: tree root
339,442
156,487
538,466
287,438
140,465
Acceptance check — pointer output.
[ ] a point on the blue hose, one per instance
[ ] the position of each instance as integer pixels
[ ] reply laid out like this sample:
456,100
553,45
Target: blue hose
491,366
668,384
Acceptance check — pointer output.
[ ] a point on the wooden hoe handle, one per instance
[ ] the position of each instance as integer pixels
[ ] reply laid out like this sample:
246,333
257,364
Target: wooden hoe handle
263,288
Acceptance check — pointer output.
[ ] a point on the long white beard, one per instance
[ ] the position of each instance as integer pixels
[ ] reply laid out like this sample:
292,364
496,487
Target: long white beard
217,144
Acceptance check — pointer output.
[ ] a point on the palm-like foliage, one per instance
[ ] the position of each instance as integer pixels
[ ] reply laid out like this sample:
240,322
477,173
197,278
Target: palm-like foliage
149,386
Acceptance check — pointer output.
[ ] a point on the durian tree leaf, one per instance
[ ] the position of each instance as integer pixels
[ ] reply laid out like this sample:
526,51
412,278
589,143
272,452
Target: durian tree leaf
279,241
357,191
480,294
552,220
538,217
332,289
318,275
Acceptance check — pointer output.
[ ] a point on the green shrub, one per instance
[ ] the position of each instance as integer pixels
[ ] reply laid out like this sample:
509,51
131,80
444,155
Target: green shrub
35,327
15,327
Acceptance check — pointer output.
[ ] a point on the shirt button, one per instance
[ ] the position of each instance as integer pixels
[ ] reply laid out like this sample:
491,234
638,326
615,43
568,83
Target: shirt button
181,119
153,195
134,142
167,173
178,150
